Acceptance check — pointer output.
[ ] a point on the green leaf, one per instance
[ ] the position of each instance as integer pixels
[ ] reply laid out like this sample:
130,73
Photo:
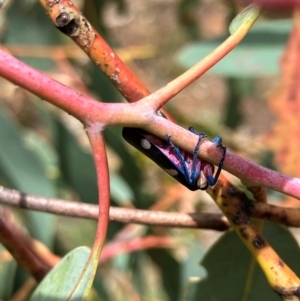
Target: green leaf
130,169
60,281
83,180
120,190
229,264
77,165
19,163
20,166
44,152
170,272
246,17
190,267
257,55
7,271
37,29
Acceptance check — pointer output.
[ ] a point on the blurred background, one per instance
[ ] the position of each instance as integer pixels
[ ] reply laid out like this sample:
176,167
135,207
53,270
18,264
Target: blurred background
44,151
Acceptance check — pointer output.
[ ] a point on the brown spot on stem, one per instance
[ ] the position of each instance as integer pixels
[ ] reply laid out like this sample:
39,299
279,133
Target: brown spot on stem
297,291
284,218
287,294
281,263
258,241
240,218
243,232
267,215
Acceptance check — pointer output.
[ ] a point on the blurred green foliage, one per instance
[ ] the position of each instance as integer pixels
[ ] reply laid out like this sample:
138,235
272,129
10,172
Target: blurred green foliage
257,56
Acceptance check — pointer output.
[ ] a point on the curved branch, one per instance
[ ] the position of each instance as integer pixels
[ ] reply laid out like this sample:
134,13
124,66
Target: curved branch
163,95
97,141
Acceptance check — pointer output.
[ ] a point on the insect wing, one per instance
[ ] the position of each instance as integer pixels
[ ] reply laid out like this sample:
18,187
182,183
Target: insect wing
157,150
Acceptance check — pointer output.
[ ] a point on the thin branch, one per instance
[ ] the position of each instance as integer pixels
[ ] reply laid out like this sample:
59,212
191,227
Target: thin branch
78,28
122,215
141,243
19,245
97,141
163,95
69,20
250,173
134,114
99,152
286,216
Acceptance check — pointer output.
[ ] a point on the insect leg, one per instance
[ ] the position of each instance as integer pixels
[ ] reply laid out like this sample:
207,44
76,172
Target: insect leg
213,180
194,174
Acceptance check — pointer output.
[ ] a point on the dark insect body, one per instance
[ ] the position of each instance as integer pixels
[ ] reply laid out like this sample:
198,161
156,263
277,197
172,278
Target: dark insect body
186,168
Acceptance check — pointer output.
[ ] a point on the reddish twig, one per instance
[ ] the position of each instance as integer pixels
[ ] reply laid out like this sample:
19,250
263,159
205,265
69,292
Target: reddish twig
95,134
67,17
138,244
86,109
99,152
20,246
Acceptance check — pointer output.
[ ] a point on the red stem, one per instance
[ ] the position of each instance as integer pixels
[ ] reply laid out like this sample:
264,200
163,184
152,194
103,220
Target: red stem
99,152
137,244
82,107
251,174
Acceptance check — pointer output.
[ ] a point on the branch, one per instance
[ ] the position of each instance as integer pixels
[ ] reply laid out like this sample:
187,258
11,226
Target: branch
163,95
81,31
141,243
69,20
286,216
280,277
122,215
250,173
84,108
97,141
90,111
19,244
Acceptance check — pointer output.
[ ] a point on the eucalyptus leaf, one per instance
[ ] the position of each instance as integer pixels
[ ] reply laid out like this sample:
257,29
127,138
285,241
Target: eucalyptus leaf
25,171
8,269
60,282
231,267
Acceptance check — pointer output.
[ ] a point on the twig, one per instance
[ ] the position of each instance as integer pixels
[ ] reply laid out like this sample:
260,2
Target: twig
96,137
123,215
286,216
90,111
20,246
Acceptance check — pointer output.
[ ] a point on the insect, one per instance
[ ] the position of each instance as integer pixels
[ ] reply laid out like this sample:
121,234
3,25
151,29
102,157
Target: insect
186,168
